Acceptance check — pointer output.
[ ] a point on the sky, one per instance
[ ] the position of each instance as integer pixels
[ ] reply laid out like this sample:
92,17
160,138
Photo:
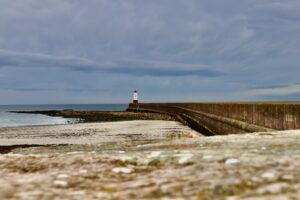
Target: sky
100,51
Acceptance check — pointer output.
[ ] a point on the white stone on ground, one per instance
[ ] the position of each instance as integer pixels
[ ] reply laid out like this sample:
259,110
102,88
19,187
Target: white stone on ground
60,183
62,176
232,161
154,154
185,158
270,176
274,188
124,170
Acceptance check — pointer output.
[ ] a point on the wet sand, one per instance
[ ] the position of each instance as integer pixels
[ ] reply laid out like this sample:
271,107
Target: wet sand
147,160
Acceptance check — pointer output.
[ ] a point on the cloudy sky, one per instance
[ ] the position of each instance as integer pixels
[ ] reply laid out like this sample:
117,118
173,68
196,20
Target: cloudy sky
99,51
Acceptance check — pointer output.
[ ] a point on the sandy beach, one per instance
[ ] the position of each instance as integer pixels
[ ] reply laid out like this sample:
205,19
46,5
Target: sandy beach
147,160
93,133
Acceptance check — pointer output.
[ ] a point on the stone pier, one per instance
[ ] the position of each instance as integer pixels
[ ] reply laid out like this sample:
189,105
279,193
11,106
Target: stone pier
230,117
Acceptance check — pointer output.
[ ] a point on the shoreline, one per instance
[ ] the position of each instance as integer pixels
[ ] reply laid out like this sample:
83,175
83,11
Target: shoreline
99,116
146,159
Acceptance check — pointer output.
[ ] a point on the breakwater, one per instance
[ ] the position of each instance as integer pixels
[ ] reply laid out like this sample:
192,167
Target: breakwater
229,118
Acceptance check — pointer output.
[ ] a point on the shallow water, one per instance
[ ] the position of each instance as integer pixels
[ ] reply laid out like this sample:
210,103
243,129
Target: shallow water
13,120
8,119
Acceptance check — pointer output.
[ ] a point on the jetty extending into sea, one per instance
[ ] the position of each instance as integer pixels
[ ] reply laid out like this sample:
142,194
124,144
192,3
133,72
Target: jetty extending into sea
222,118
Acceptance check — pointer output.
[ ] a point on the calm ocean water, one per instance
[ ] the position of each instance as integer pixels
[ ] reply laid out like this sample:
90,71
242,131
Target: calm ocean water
8,119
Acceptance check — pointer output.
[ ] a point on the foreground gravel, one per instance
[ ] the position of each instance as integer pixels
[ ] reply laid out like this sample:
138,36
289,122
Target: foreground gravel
148,160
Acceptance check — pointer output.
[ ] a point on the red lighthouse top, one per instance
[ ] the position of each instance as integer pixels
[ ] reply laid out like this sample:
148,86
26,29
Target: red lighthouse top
135,98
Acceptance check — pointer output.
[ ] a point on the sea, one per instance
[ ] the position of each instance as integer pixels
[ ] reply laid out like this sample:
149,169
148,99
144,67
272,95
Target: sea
8,119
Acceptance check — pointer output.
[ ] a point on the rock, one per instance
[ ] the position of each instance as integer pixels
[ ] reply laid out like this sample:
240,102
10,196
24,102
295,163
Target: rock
232,198
103,195
83,171
77,193
73,152
35,194
172,198
126,158
60,183
273,188
144,145
170,187
6,191
67,112
297,187
185,158
124,170
270,176
232,161
288,177
154,154
62,176
272,197
256,180
207,157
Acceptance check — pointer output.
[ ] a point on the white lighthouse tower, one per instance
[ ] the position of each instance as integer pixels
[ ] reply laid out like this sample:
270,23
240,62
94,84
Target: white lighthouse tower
135,98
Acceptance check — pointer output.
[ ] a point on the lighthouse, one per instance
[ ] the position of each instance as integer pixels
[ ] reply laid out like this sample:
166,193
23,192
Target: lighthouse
135,98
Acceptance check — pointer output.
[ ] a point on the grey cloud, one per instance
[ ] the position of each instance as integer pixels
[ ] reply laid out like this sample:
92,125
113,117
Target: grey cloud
277,91
45,89
157,68
130,67
26,89
289,97
272,86
19,59
287,10
202,49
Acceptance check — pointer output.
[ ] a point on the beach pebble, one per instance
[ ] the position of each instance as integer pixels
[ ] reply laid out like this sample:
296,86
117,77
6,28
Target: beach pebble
287,177
268,197
143,145
77,193
256,180
296,187
232,198
62,176
273,188
232,161
103,195
6,191
35,194
60,183
124,170
73,152
185,158
172,198
126,158
270,176
83,171
207,157
154,154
